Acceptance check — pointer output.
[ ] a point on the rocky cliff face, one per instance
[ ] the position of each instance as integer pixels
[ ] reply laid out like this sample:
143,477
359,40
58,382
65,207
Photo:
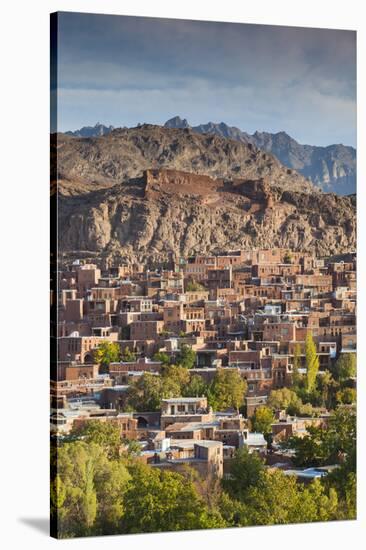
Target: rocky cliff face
170,212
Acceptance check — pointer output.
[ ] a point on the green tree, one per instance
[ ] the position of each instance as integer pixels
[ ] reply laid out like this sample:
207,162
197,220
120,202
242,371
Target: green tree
133,447
87,495
296,377
193,286
345,367
346,396
327,388
312,449
162,357
179,374
316,503
262,420
159,500
105,434
196,387
186,357
106,353
89,500
312,362
228,390
258,496
330,444
145,393
128,356
278,499
245,470
287,259
286,399
174,379
57,495
111,482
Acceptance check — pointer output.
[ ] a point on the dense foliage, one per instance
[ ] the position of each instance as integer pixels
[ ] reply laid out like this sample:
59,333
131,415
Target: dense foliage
96,490
226,391
106,353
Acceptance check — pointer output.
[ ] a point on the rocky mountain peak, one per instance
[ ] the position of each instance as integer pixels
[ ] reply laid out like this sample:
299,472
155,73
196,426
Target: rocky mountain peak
177,122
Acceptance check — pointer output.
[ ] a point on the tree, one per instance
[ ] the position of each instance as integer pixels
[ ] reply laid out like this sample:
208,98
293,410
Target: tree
284,398
87,495
193,286
312,449
345,367
175,375
228,390
312,362
328,445
257,496
128,356
287,259
245,470
196,387
173,379
262,420
106,353
296,377
327,387
162,357
89,500
145,393
133,447
105,434
186,357
159,500
346,396
279,499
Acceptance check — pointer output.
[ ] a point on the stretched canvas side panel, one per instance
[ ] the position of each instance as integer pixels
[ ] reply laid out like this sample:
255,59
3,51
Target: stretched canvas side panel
53,258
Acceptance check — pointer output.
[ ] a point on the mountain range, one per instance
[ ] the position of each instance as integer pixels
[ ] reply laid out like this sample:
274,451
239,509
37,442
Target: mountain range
148,193
91,131
331,168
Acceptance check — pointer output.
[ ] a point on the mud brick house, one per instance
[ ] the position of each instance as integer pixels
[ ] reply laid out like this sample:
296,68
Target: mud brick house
206,457
125,422
120,371
67,370
146,330
185,409
220,278
197,267
81,348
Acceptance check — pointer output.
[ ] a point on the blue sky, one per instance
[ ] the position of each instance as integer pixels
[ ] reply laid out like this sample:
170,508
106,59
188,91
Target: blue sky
125,70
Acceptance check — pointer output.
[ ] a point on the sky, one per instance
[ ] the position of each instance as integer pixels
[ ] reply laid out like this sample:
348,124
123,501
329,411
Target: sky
127,70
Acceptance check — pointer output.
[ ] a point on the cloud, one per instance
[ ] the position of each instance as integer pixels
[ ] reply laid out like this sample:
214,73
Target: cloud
124,70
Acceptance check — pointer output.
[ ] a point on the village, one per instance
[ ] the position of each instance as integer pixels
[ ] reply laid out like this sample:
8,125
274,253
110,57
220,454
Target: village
205,356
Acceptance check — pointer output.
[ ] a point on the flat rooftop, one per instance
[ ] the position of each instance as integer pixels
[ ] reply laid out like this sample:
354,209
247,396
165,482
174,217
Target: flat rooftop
183,400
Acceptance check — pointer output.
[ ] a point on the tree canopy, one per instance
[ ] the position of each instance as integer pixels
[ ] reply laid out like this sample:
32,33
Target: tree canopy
345,367
186,357
312,362
106,353
227,390
262,420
